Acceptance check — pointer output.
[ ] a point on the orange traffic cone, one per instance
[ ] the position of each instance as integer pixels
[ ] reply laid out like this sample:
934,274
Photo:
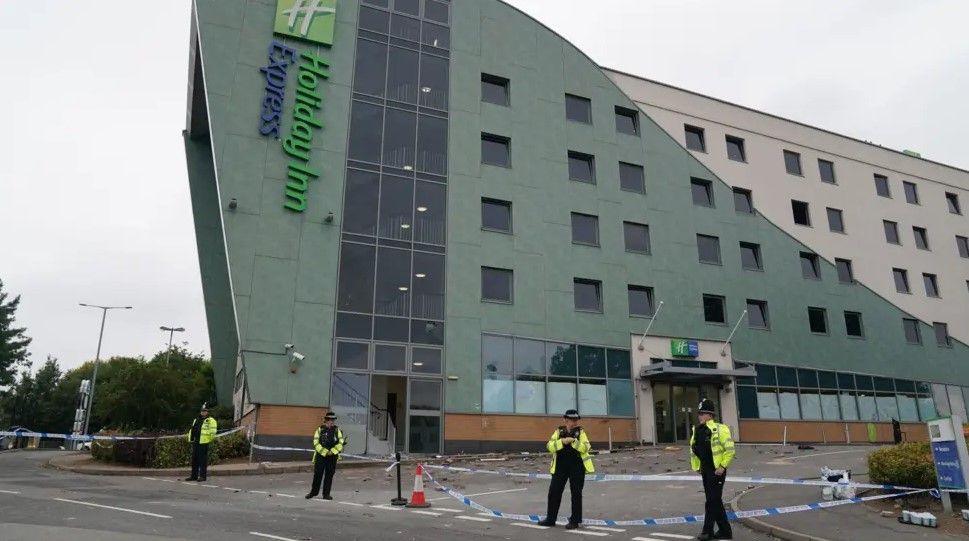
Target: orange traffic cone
417,497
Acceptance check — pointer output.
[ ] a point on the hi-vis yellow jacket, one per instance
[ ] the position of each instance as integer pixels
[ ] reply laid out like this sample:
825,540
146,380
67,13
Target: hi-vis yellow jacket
720,443
207,434
320,445
581,444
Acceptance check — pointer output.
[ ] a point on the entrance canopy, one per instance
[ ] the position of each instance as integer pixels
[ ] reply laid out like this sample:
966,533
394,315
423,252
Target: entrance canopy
695,372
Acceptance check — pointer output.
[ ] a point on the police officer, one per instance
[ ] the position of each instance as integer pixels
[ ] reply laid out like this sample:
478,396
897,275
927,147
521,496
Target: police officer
328,443
570,449
711,451
200,436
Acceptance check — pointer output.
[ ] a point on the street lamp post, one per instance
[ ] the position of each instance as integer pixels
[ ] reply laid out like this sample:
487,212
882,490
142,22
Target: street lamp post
97,358
171,334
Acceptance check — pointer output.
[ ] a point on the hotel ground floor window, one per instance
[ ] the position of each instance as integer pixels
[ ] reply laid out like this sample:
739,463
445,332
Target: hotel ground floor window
528,376
779,392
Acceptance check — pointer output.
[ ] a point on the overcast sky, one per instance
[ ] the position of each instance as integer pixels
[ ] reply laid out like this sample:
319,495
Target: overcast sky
94,203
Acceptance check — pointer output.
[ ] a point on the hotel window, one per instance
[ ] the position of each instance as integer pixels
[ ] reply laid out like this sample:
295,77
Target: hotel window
836,221
370,70
587,295
497,285
845,272
585,229
853,325
810,266
636,237
757,316
632,178
496,215
818,320
695,139
901,280
735,149
709,249
911,192
802,214
743,200
750,256
494,90
627,121
891,232
535,377
714,309
881,186
952,200
921,238
826,170
495,150
640,301
792,162
702,192
942,334
578,109
434,82
931,284
913,335
436,11
962,243
582,167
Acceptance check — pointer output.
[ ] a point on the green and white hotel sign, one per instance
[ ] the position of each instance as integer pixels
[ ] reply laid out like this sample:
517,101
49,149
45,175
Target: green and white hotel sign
312,21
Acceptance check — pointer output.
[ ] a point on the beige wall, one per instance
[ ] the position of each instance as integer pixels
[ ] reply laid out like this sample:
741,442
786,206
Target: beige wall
855,164
659,347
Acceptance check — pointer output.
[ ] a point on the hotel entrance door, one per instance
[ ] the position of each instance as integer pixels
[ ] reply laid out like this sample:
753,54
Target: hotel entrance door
675,408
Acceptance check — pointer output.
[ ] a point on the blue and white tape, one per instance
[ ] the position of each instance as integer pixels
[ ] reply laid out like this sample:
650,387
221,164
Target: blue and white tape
667,478
344,455
684,519
83,437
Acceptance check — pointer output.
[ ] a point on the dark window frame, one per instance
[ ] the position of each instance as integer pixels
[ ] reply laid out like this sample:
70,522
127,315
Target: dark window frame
921,236
882,180
649,244
888,225
510,273
503,203
792,163
641,189
841,219
762,305
723,308
650,300
598,290
630,114
901,274
821,171
912,197
589,158
824,320
748,196
740,146
699,250
758,257
944,341
815,261
700,135
595,223
931,279
840,263
962,246
578,100
807,212
500,139
913,324
860,321
953,204
498,81
708,190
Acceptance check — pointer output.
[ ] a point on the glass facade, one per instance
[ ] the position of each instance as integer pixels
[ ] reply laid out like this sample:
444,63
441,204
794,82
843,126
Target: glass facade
780,392
523,375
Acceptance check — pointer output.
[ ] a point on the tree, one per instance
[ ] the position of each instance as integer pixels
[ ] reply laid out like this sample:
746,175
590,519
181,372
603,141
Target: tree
13,341
46,412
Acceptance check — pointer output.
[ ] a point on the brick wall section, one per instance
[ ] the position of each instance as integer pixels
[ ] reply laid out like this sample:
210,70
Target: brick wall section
820,431
519,428
287,420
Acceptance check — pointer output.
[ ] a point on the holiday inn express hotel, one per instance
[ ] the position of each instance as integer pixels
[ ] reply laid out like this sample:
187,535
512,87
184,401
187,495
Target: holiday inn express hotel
447,224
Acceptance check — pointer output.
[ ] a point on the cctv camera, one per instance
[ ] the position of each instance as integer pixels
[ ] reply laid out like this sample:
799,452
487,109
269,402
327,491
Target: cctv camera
288,346
298,356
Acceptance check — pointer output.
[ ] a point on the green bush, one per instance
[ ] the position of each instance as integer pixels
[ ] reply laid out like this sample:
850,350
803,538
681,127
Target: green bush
102,451
177,453
234,445
907,464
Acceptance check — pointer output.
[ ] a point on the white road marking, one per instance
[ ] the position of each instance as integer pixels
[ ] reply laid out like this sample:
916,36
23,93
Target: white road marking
113,508
190,483
654,539
355,504
386,507
270,536
258,492
150,478
529,525
605,529
9,492
286,495
209,486
476,519
233,489
587,532
670,535
167,480
449,510
421,512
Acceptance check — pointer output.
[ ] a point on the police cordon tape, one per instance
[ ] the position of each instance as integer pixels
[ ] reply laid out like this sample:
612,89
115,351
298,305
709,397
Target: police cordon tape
83,437
684,519
389,460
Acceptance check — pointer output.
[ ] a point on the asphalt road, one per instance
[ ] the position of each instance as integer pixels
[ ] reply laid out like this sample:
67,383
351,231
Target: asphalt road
41,503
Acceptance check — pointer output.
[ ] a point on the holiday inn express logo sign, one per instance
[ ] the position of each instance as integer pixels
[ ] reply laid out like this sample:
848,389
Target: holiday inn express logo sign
312,21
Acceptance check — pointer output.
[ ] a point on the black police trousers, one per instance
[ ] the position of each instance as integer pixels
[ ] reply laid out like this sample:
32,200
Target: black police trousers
714,512
200,460
323,470
574,475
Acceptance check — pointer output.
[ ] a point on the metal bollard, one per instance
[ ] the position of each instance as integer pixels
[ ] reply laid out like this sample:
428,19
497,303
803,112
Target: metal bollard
399,500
